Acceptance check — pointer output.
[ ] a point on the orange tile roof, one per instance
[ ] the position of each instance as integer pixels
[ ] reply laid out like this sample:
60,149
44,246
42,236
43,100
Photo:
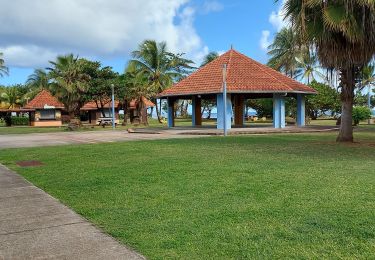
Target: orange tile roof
44,98
147,102
91,105
244,75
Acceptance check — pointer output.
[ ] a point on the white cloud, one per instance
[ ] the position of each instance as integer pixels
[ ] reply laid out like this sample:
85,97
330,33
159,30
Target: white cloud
277,21
265,40
35,33
28,56
212,6
276,18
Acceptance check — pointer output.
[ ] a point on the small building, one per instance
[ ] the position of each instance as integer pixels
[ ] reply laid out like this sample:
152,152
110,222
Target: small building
44,110
241,78
94,110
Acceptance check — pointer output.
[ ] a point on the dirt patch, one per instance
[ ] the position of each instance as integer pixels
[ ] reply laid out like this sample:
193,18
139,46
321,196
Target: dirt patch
29,163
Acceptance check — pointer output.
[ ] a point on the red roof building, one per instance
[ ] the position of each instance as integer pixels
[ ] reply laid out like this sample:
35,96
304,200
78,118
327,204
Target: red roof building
244,78
243,75
44,99
91,105
45,110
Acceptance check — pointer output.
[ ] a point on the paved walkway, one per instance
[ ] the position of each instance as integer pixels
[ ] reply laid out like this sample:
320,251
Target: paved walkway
34,225
63,138
92,137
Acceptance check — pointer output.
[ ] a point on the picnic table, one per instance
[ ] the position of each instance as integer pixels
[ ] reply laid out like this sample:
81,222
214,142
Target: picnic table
103,121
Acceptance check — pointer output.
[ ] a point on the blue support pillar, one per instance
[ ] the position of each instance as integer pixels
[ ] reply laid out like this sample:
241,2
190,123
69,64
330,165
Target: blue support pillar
220,111
278,111
301,110
170,112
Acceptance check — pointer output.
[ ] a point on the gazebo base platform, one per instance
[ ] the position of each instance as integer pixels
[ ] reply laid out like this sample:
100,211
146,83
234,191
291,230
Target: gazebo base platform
206,130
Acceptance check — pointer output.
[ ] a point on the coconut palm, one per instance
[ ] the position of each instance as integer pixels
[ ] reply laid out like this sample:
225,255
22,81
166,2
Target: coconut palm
39,79
12,96
209,57
3,69
68,82
160,66
138,89
343,34
36,82
283,52
307,64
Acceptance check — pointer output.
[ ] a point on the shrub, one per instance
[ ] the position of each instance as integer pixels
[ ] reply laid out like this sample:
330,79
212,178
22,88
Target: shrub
360,113
16,120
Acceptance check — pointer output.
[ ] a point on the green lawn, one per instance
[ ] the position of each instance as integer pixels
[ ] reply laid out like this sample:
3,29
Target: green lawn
240,197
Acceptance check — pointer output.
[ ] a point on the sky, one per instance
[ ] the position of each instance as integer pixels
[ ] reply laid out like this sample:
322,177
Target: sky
32,33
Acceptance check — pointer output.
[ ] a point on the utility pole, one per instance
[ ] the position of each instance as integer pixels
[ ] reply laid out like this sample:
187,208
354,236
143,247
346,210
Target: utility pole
225,98
113,106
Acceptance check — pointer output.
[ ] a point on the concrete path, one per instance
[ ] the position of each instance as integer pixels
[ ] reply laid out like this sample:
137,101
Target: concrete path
92,137
34,225
64,138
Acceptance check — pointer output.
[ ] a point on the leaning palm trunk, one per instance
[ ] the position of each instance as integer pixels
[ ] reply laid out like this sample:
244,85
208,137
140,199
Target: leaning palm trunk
347,100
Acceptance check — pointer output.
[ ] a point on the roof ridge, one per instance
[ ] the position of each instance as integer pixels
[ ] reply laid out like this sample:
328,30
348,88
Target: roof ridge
228,65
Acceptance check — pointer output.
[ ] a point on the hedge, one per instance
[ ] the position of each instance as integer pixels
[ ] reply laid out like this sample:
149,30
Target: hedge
16,120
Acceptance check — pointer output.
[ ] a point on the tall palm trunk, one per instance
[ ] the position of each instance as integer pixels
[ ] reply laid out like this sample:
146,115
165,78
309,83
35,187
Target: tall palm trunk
347,100
142,111
158,112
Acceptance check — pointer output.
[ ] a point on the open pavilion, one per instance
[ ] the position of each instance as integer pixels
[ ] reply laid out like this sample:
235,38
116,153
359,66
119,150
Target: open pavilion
244,79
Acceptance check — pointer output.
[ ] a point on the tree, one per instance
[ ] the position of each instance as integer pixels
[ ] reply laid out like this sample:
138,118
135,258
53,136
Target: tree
3,69
39,79
159,66
263,106
343,34
138,88
327,99
209,57
360,113
99,87
208,104
36,82
307,64
13,96
283,52
69,82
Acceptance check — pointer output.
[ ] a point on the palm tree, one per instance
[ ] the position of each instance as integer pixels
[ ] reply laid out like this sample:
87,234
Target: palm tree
307,64
138,88
343,34
68,82
283,52
3,69
209,57
37,81
12,96
161,67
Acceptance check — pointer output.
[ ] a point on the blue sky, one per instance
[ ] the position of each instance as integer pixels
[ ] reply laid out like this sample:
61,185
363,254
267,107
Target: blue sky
111,29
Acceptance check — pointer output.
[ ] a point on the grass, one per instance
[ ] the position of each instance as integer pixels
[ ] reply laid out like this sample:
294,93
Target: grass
241,197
